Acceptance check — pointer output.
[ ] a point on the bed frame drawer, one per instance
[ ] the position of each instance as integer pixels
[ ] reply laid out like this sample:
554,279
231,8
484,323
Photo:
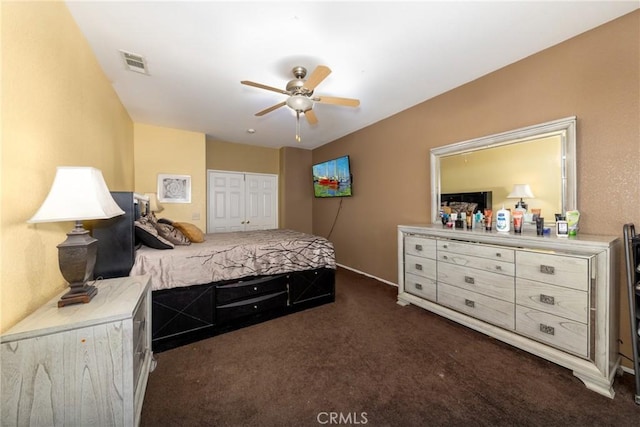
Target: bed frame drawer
237,291
252,307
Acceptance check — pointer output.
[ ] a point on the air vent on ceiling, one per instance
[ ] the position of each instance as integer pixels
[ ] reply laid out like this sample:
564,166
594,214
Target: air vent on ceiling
134,62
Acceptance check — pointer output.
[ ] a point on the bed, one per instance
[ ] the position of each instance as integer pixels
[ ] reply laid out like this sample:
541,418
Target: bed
227,281
467,201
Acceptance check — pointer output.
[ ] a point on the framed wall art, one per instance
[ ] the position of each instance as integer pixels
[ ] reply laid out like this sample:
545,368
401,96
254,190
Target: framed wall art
174,188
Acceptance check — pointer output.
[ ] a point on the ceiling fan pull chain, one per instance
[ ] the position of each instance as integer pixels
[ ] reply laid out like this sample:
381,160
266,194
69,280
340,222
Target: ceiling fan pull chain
298,138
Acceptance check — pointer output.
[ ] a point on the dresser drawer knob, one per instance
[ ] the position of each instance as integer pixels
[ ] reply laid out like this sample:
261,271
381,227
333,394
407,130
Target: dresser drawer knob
445,246
547,269
547,299
255,288
418,247
550,330
499,267
418,286
469,303
498,254
419,267
469,279
445,257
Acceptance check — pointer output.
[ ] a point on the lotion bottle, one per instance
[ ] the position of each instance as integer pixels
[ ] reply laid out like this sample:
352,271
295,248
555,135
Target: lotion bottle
503,220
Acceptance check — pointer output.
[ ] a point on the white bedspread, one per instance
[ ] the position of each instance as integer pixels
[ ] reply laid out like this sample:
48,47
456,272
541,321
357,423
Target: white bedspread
226,256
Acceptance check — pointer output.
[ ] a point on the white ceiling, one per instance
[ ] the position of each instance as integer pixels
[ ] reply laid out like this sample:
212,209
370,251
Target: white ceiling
390,55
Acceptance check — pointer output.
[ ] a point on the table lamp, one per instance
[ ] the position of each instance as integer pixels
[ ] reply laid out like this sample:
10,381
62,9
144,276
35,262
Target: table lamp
77,194
154,205
521,191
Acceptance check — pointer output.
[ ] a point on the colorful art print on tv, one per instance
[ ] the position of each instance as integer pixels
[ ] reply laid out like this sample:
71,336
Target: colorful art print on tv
332,178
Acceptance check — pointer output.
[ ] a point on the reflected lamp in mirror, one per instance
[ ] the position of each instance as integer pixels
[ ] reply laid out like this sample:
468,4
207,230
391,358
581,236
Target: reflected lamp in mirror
154,205
521,191
77,194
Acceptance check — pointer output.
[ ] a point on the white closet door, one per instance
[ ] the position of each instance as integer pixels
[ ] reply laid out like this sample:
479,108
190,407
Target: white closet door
226,202
261,202
239,201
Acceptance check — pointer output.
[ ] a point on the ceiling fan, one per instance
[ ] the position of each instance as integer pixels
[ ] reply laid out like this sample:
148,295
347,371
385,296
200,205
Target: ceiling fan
301,98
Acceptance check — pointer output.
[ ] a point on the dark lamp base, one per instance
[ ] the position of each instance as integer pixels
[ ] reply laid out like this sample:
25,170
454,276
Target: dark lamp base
80,295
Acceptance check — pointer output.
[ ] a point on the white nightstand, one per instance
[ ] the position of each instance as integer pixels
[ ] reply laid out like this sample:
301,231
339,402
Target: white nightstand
80,365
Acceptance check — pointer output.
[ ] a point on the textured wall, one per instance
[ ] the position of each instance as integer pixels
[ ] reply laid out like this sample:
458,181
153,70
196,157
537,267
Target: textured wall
160,150
594,76
58,109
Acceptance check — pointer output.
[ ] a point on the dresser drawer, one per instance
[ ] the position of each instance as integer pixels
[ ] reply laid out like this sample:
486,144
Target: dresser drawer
562,270
567,335
252,306
477,250
420,266
420,286
480,281
251,288
140,325
497,312
420,246
492,265
559,301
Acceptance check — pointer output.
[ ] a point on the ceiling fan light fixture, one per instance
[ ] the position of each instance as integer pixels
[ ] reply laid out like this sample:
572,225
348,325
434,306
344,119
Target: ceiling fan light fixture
299,103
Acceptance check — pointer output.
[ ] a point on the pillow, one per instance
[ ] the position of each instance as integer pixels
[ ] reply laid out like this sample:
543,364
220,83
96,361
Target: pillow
148,235
172,234
165,221
192,232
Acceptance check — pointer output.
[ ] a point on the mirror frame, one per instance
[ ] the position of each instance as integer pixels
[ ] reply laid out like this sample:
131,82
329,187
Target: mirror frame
565,128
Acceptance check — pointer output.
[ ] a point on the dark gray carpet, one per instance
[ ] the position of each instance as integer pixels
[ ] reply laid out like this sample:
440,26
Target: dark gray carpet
365,360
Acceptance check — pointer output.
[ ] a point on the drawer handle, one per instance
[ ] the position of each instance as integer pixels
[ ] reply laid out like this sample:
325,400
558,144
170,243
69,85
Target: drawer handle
547,299
469,303
255,288
499,267
469,279
418,286
255,307
498,254
418,247
419,267
550,330
445,257
547,269
445,246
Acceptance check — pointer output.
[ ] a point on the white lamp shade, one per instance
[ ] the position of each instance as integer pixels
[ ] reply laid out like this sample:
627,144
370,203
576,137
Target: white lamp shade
154,205
521,191
77,193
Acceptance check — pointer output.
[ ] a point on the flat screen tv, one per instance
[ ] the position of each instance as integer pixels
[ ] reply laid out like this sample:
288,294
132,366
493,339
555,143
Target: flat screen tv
332,178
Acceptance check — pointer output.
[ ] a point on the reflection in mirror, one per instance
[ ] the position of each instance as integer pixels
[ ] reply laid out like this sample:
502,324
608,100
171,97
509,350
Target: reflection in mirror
542,156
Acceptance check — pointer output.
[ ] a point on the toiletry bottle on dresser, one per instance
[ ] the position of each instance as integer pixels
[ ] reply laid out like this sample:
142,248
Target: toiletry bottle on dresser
503,220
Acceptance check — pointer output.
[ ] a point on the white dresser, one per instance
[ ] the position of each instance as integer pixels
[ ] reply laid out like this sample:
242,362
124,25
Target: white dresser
551,296
80,365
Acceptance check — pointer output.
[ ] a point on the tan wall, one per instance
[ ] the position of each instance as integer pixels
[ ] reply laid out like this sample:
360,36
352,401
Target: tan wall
160,150
296,189
58,109
241,158
595,76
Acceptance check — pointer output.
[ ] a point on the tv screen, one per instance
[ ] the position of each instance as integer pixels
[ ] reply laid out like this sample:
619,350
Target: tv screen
332,178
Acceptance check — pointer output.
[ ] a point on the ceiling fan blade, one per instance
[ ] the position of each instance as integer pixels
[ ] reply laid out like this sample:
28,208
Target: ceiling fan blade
319,74
311,117
261,86
270,109
347,102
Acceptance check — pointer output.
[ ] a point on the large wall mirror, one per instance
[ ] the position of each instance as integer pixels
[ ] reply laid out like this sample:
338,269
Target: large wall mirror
541,156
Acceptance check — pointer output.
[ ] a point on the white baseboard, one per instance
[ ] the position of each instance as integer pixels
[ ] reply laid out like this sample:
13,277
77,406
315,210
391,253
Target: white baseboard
368,275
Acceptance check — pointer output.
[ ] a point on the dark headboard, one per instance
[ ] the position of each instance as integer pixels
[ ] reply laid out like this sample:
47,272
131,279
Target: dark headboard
116,236
481,198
